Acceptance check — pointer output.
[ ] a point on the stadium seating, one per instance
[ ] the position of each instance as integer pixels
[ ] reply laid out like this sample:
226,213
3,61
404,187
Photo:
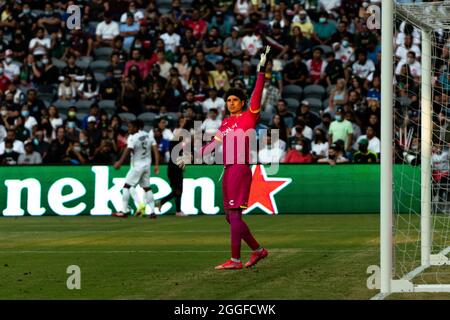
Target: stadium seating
60,64
99,66
99,76
62,104
127,116
314,104
103,53
147,117
292,103
83,62
292,91
83,105
108,105
314,91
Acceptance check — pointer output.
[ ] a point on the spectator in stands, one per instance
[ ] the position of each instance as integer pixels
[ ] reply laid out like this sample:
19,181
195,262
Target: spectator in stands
300,128
106,31
72,117
364,155
183,66
10,69
338,96
311,118
213,102
232,45
316,67
212,122
341,129
270,97
47,73
251,42
334,156
324,30
304,23
54,118
271,152
8,156
128,30
109,88
198,25
50,20
402,51
29,122
39,45
171,39
88,89
58,147
299,152
190,102
164,65
188,43
30,156
296,72
278,123
220,78
319,146
288,117
104,153
334,69
363,68
66,89
162,125
374,144
298,43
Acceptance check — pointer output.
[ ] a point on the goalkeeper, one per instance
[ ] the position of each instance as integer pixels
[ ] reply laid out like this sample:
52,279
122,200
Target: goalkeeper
237,177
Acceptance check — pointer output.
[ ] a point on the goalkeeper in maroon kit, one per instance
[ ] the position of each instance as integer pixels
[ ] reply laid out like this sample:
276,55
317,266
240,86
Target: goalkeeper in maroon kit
237,177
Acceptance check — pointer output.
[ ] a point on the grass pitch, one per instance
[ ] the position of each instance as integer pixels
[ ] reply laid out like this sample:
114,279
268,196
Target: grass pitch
310,257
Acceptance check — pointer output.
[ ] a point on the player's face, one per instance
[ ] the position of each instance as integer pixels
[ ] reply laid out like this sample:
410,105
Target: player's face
132,129
234,105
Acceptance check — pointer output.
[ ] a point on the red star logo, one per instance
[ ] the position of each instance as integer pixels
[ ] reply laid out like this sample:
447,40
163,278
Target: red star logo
263,189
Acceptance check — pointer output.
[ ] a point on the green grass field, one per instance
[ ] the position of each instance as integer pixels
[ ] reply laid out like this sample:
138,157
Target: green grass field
311,257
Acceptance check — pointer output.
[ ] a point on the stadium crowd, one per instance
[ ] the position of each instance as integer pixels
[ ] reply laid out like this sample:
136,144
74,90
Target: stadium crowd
67,95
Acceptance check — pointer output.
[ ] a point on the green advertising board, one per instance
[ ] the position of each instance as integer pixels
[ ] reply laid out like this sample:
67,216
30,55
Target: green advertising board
293,189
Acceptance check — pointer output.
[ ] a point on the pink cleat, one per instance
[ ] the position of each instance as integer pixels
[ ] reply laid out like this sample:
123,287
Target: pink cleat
256,256
230,265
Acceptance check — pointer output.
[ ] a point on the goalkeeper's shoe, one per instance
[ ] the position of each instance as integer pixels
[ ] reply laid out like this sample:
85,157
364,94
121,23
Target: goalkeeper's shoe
256,256
152,216
229,265
120,214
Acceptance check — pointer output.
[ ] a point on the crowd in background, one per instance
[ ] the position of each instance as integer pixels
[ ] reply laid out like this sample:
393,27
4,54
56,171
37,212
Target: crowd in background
67,95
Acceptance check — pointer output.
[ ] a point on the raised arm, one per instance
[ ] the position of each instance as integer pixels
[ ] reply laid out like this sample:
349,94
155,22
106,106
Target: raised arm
255,101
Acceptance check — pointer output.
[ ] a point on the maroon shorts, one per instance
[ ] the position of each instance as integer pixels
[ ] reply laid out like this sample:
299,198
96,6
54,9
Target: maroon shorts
236,183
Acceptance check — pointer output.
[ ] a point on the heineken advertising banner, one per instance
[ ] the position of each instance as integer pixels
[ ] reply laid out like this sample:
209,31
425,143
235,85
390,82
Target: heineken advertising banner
96,190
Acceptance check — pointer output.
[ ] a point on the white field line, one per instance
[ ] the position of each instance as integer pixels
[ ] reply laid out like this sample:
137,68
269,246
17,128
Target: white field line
273,250
179,231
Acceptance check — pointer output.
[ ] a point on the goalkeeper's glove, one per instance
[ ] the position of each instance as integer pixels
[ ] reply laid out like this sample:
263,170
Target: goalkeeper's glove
262,60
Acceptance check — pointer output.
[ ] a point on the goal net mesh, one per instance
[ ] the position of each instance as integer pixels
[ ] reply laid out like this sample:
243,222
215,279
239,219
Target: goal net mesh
408,76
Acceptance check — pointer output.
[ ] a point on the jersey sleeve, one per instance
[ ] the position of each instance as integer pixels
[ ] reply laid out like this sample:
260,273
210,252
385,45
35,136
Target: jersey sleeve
255,100
130,142
151,140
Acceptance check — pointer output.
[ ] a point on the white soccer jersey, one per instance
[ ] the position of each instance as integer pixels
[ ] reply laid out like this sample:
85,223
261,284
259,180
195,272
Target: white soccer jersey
141,143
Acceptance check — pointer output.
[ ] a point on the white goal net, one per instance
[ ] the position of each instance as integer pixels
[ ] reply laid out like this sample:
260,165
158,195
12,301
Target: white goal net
421,142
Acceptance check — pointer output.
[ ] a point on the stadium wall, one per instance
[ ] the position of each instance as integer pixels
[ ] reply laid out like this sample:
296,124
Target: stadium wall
294,189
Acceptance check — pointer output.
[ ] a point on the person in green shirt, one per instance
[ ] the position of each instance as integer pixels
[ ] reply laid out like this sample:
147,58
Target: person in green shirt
341,129
324,30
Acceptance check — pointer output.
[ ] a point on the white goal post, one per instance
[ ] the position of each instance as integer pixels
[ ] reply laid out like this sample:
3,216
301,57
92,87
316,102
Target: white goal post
426,17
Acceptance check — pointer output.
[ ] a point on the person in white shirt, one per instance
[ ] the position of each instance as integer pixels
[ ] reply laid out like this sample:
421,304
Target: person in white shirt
171,39
214,102
17,144
137,14
363,68
212,123
344,52
164,65
303,129
251,43
140,146
40,45
374,142
11,70
272,152
414,66
402,50
106,31
400,39
166,132
29,121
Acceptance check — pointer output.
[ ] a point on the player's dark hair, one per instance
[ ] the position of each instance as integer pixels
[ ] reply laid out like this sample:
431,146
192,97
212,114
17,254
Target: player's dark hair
236,92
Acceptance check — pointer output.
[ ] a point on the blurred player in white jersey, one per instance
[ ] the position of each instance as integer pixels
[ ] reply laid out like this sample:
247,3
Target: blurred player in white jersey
139,145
